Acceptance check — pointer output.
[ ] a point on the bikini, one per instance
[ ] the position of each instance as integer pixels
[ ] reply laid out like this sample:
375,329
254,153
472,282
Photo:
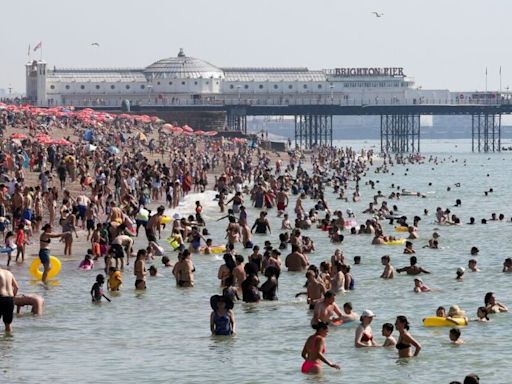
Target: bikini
401,345
308,365
366,338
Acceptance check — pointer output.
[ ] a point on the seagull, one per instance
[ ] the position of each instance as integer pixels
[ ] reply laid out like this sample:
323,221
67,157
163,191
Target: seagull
96,44
377,14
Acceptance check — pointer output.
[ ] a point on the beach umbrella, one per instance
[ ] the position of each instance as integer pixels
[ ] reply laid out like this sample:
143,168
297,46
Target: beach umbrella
210,133
59,142
186,128
19,136
167,126
199,133
113,150
91,148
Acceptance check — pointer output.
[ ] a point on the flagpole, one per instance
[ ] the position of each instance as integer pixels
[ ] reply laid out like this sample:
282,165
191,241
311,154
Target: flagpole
485,79
500,80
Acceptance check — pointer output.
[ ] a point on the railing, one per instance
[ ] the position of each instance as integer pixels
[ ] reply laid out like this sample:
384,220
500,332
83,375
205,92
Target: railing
292,101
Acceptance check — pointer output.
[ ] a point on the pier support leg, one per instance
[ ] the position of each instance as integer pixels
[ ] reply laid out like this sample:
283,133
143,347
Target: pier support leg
486,131
313,130
400,133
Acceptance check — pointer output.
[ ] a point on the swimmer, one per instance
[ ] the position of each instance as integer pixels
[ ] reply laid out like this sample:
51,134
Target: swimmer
326,309
472,266
97,291
408,248
405,340
460,274
36,303
389,270
441,311
455,336
456,313
314,349
364,335
419,286
222,318
387,330
482,315
412,269
474,251
507,265
493,306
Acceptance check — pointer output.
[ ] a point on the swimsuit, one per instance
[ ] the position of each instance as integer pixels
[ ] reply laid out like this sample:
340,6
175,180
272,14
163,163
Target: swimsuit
366,338
308,365
222,324
400,345
6,308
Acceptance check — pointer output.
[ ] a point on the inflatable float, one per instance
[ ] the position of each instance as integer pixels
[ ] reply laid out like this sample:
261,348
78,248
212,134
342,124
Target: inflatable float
38,274
217,249
395,242
435,321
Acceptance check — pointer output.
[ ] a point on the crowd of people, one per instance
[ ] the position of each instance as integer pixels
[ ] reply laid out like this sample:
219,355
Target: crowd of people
112,176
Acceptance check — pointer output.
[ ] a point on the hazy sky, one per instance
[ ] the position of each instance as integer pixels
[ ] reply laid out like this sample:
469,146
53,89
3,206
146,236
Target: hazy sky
441,43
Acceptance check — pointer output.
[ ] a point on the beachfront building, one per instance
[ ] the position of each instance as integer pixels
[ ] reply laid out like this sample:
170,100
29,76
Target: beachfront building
185,80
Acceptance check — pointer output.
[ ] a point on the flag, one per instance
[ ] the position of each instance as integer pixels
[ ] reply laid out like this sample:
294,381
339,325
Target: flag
28,53
39,45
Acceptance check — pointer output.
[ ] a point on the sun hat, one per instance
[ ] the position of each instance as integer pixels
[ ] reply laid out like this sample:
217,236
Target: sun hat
455,311
367,313
215,299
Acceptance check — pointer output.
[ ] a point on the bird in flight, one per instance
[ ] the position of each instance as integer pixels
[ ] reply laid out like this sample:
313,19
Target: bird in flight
95,44
378,14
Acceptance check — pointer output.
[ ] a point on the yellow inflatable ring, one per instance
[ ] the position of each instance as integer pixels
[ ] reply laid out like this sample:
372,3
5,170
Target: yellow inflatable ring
217,249
395,242
401,229
435,321
55,266
165,220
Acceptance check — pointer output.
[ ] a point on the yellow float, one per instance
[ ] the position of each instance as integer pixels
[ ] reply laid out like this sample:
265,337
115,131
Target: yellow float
395,242
401,229
165,220
55,266
175,244
435,321
217,249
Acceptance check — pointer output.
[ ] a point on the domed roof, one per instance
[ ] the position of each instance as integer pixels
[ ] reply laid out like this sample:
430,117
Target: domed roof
183,67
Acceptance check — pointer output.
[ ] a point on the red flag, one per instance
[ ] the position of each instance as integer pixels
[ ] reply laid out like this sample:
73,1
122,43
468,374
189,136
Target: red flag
39,45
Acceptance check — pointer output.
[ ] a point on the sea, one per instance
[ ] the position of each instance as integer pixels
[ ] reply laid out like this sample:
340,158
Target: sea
162,335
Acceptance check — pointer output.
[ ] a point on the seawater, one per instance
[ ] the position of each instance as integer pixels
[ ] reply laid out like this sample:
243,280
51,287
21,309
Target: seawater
162,335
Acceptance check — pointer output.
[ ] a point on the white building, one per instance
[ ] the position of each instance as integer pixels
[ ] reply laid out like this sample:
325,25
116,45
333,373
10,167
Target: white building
186,80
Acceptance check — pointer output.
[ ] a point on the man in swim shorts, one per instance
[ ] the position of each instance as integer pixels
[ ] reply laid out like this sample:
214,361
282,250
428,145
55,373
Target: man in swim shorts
8,289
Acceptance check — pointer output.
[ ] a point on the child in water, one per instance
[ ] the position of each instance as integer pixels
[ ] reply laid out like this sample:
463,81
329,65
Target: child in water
455,336
387,330
97,290
87,263
114,279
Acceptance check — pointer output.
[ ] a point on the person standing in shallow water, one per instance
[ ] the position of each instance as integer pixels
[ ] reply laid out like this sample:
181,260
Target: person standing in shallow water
405,341
314,349
222,318
44,250
8,289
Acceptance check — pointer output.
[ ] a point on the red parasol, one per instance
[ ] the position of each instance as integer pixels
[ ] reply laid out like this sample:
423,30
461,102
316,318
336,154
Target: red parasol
19,136
186,128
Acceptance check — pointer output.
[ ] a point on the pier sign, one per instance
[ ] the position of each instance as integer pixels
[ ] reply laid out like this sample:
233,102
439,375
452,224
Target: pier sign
365,72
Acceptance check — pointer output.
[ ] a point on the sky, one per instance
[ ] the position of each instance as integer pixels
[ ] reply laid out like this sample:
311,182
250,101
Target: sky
442,44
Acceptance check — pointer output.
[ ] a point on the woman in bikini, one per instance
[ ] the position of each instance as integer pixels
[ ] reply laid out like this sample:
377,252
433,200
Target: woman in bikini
405,340
364,334
44,248
314,350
